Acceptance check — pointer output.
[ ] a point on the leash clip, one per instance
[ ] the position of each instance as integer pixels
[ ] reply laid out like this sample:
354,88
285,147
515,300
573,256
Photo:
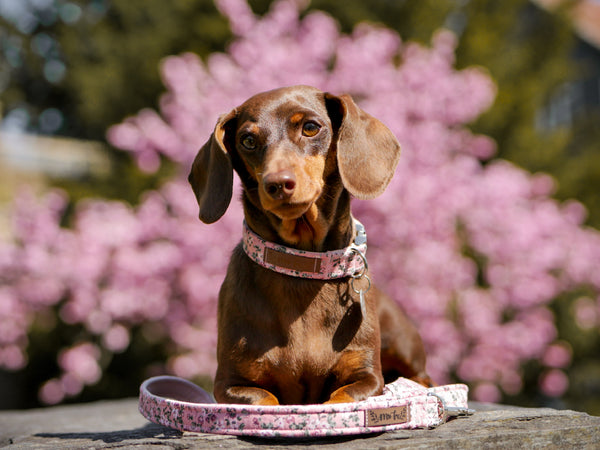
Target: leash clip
450,412
457,411
358,275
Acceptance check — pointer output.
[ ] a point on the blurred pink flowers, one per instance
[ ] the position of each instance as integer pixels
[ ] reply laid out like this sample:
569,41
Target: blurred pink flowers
474,252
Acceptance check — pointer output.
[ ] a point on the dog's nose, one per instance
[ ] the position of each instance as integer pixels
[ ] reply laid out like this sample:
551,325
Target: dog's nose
280,185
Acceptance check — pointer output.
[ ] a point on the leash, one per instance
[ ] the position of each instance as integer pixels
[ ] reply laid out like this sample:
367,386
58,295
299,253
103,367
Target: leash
404,404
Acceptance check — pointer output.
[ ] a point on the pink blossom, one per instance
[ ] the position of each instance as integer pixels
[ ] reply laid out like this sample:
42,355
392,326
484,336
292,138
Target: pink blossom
474,253
558,355
486,392
241,18
586,312
52,392
116,339
554,383
82,362
12,357
71,385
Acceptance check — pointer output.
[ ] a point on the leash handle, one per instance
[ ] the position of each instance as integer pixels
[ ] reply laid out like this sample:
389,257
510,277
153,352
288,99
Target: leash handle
180,404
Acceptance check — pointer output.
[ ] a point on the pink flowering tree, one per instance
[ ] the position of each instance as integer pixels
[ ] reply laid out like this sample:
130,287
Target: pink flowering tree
474,249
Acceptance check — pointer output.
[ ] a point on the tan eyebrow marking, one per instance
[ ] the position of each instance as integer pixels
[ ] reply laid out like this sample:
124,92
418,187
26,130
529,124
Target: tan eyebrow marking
296,118
254,129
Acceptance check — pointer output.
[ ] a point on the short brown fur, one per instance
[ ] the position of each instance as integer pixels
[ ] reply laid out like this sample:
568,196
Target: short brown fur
301,154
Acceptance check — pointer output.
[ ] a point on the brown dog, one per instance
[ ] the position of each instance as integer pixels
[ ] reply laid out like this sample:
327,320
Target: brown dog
301,154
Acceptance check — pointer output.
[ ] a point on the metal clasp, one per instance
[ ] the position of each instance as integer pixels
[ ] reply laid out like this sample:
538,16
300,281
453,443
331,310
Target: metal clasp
358,276
450,412
458,411
361,233
360,291
365,265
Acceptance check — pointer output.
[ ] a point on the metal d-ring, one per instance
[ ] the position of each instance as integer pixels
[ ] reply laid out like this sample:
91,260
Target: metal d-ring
362,274
365,264
359,277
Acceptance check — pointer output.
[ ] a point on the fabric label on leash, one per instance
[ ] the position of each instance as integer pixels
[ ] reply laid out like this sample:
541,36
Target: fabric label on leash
387,416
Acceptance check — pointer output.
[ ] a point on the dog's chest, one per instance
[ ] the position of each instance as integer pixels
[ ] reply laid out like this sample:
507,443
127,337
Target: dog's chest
314,338
297,335
309,343
302,370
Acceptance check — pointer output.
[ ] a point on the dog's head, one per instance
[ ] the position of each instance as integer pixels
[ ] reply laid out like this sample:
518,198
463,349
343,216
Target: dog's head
284,144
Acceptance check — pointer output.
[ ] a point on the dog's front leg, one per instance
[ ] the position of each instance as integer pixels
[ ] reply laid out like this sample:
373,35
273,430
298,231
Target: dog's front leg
361,377
368,386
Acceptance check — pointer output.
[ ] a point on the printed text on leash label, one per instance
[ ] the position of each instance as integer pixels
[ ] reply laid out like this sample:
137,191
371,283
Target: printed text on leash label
387,416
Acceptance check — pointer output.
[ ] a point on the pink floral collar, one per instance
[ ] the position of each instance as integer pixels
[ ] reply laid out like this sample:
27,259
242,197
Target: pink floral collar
346,262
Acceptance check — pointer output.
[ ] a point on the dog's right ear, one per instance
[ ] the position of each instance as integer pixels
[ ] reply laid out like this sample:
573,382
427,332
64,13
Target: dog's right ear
367,151
211,176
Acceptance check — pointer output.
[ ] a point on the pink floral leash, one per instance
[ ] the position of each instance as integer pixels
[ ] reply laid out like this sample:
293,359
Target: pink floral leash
404,404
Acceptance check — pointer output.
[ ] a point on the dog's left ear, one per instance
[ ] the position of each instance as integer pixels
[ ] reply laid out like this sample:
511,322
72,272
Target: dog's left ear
367,151
211,176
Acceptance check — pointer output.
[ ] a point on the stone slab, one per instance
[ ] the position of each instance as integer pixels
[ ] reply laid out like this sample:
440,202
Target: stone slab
117,424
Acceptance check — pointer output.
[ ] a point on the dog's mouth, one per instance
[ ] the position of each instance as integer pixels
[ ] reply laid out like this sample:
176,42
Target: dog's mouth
291,211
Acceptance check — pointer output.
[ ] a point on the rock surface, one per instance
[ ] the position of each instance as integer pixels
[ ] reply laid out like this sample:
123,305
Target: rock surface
117,424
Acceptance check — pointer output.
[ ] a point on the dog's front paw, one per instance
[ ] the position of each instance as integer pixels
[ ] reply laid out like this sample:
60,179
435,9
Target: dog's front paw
424,380
340,396
246,395
269,400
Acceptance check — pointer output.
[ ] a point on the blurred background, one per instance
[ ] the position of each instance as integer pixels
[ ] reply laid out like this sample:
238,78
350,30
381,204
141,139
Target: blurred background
72,69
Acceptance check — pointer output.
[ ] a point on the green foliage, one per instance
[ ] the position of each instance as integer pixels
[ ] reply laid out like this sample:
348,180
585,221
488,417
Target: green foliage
113,64
414,20
529,53
113,73
112,53
526,51
125,181
578,171
105,59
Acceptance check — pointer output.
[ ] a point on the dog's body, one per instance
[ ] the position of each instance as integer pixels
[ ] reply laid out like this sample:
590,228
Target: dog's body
301,154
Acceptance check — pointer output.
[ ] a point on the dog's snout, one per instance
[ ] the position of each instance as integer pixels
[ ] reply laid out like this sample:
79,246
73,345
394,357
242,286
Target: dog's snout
280,185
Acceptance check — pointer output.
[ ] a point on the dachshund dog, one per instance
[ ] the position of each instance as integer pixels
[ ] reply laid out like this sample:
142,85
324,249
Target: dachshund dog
285,337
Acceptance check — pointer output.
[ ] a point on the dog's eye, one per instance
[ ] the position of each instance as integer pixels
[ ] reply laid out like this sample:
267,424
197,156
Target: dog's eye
310,129
248,141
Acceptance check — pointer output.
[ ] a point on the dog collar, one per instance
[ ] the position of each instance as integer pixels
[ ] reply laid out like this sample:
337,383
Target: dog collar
346,262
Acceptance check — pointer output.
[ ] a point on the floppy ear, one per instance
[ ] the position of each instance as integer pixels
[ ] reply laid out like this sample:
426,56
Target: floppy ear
367,151
211,176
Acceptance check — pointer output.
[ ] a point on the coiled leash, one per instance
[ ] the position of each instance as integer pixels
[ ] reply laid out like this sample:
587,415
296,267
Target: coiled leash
404,404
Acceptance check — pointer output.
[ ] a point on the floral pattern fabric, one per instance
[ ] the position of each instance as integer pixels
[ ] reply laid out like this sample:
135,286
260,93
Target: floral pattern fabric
333,264
421,410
